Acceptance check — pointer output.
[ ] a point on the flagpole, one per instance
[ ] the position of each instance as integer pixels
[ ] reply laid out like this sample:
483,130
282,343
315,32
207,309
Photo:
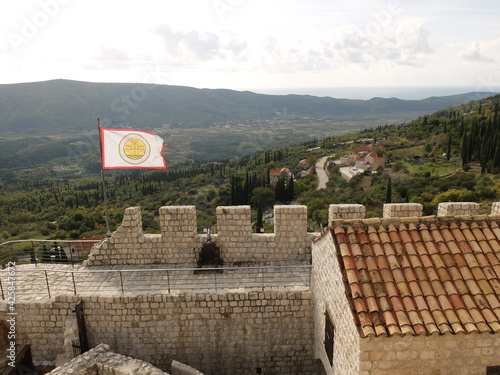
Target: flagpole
108,231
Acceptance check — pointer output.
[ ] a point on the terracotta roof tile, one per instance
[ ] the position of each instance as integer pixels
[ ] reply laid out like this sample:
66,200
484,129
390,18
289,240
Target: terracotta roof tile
460,260
478,273
405,236
386,275
485,247
495,246
356,250
476,248
422,278
419,271
496,268
496,230
488,233
455,273
443,274
461,287
348,263
493,259
453,247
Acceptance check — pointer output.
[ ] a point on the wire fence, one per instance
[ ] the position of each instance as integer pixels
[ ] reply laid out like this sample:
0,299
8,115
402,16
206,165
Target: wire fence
41,283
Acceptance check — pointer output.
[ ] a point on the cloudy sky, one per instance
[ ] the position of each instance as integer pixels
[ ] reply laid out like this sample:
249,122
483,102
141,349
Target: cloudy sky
254,44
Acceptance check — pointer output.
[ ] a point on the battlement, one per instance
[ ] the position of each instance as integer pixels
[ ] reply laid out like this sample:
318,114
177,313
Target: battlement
179,242
411,211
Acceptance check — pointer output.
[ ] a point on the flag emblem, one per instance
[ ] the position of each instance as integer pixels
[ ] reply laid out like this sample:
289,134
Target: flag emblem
134,149
122,148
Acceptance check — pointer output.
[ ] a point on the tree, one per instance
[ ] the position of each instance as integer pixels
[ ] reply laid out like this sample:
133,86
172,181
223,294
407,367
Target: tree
263,197
448,149
388,198
260,223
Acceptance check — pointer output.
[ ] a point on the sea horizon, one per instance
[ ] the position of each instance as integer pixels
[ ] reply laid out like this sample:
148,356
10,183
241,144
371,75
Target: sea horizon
365,93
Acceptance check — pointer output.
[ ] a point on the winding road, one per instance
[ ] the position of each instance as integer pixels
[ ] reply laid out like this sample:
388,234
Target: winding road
320,171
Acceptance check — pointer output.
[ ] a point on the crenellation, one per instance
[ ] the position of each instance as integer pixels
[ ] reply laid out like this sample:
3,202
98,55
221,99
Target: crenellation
402,210
346,211
179,241
458,209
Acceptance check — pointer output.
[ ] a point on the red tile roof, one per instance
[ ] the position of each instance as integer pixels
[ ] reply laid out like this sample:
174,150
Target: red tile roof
421,278
278,171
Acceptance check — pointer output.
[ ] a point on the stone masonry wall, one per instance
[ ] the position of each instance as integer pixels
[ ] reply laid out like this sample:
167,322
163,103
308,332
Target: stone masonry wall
225,334
329,297
179,242
434,355
339,212
458,208
402,209
346,211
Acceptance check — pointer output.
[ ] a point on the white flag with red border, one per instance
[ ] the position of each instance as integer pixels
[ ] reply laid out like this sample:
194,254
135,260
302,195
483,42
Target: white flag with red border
131,149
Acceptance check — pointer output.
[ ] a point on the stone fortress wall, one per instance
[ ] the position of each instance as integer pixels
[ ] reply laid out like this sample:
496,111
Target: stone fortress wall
227,333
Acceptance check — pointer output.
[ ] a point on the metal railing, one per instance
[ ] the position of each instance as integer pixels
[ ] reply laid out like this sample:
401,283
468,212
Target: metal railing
49,282
45,251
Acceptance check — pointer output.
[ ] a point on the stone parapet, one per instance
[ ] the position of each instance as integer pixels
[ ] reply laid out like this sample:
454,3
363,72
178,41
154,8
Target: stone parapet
402,210
179,243
346,211
495,208
458,209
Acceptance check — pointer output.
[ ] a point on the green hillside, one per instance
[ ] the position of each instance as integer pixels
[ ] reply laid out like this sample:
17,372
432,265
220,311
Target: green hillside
450,155
72,107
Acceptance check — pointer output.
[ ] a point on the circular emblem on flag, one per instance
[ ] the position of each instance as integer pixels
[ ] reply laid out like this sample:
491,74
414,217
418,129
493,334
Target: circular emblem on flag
134,149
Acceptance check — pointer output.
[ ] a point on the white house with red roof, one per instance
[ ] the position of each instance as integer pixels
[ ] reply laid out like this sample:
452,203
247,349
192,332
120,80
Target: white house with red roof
278,173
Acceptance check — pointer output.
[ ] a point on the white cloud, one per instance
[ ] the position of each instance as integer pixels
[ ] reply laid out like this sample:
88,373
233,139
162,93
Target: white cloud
254,43
476,52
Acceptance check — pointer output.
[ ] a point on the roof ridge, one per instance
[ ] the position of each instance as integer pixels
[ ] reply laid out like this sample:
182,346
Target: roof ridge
426,220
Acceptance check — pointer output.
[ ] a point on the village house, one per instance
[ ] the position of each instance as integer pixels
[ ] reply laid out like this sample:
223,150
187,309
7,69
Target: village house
304,164
278,173
370,161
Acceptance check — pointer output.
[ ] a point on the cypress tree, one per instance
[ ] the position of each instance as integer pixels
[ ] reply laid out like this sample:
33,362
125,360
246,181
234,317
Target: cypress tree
388,198
448,150
260,223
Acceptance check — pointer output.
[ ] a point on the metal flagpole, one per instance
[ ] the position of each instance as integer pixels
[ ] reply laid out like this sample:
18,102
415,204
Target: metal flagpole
108,231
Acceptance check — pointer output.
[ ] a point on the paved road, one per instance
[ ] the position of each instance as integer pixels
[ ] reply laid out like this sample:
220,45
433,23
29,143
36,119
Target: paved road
320,171
31,281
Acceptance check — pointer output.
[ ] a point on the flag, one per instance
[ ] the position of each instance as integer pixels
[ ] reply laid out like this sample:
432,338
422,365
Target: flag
125,148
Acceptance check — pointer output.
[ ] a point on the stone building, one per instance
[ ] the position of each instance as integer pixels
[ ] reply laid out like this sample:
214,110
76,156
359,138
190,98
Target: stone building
407,294
402,294
278,173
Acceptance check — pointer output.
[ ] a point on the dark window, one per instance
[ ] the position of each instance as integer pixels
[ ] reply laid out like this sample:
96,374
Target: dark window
493,370
329,337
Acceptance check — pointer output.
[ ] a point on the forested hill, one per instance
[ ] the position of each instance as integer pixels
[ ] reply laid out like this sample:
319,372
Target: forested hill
46,108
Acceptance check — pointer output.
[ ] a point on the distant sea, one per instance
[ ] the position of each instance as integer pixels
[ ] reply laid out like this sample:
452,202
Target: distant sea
408,93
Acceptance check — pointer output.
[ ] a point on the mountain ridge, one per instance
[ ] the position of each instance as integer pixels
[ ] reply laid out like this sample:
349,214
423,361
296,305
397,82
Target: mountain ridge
49,107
